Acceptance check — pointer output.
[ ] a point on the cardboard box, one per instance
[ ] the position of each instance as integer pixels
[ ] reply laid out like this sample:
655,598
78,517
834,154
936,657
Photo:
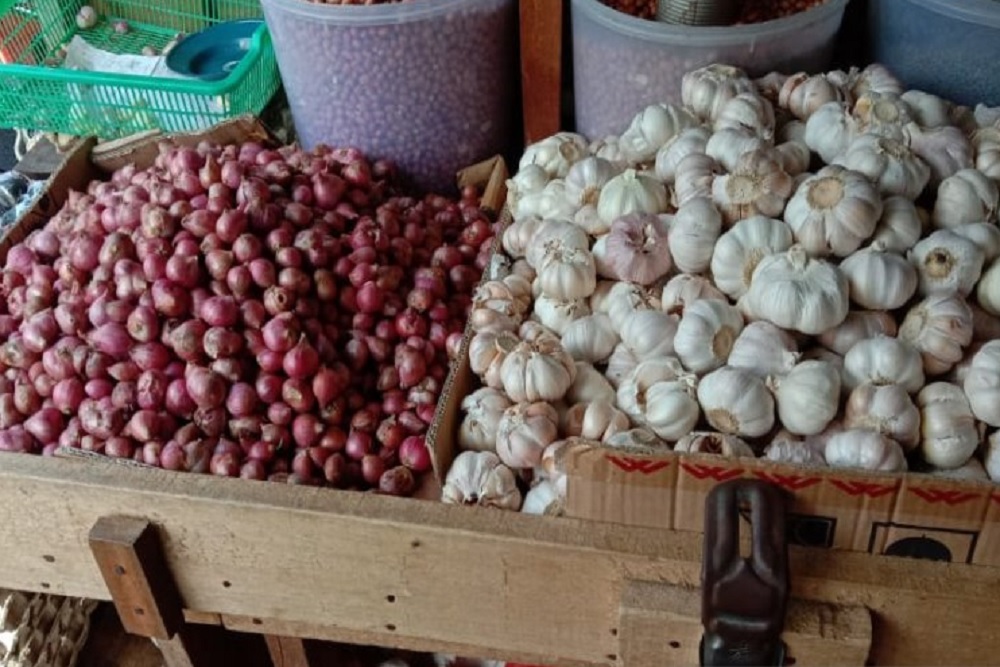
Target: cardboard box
911,515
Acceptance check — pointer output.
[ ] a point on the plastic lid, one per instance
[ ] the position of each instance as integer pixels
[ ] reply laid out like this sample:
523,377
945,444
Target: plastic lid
980,12
373,15
705,35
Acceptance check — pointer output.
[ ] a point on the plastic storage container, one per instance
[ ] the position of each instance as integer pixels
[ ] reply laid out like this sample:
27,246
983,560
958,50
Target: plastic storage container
622,63
34,95
427,84
947,47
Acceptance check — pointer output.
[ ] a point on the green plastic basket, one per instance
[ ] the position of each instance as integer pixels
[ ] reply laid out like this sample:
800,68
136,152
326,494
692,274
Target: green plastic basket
37,94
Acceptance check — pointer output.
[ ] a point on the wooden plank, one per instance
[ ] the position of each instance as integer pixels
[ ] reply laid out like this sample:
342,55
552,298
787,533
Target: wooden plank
661,625
131,561
289,651
541,67
552,586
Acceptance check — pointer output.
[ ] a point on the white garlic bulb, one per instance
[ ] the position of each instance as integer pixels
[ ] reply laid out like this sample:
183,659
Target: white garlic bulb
866,450
986,235
884,114
883,360
756,185
928,110
479,478
706,90
649,334
947,263
986,143
637,441
706,334
833,212
543,499
972,470
830,129
589,385
988,289
651,129
694,177
609,148
808,397
586,178
620,364
740,249
626,298
557,314
797,292
691,140
720,444
899,228
495,308
482,411
786,448
518,237
879,280
537,370
590,338
737,402
631,192
567,273
487,352
727,146
888,163
966,196
524,431
551,202
770,85
695,228
555,154
792,131
794,157
749,112
529,180
587,219
596,420
991,457
764,349
886,409
660,395
551,237
684,289
822,354
946,150
857,326
948,432
874,78
802,94
982,384
940,327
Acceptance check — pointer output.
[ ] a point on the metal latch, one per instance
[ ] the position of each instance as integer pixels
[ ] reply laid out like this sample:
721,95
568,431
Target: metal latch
744,598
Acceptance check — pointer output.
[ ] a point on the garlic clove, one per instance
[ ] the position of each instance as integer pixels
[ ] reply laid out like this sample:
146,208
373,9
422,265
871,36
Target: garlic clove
949,436
802,94
684,289
706,334
555,154
857,326
748,112
669,156
874,78
899,227
620,364
558,314
597,420
886,409
585,179
543,499
649,334
589,385
727,146
694,177
764,350
696,227
651,129
940,327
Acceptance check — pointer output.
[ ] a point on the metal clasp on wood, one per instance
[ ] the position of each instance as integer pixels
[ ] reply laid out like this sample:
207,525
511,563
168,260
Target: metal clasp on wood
744,597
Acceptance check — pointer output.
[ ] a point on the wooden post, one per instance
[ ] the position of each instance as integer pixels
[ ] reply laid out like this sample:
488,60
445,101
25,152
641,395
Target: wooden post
660,625
130,558
541,67
290,651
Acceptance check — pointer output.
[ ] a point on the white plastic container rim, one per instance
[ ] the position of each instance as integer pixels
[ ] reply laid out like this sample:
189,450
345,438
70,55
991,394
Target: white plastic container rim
654,31
980,12
371,15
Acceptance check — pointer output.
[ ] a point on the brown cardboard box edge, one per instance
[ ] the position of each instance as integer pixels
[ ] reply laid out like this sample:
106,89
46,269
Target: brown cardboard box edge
894,514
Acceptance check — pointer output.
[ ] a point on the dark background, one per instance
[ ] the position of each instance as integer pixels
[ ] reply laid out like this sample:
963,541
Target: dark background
6,150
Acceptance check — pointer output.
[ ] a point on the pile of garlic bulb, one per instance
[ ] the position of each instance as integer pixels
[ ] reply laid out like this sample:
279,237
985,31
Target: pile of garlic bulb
804,267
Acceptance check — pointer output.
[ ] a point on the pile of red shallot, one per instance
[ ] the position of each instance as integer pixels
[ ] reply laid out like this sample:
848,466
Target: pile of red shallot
244,311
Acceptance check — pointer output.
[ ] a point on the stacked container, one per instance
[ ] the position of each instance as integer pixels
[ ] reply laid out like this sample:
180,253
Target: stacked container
427,84
622,63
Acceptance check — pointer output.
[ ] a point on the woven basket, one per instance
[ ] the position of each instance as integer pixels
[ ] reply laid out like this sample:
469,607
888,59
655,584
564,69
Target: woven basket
38,630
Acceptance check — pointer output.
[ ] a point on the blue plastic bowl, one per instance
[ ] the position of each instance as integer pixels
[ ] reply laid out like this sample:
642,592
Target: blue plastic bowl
210,55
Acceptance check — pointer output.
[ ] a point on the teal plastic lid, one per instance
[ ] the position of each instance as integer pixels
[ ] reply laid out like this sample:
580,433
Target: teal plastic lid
210,55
